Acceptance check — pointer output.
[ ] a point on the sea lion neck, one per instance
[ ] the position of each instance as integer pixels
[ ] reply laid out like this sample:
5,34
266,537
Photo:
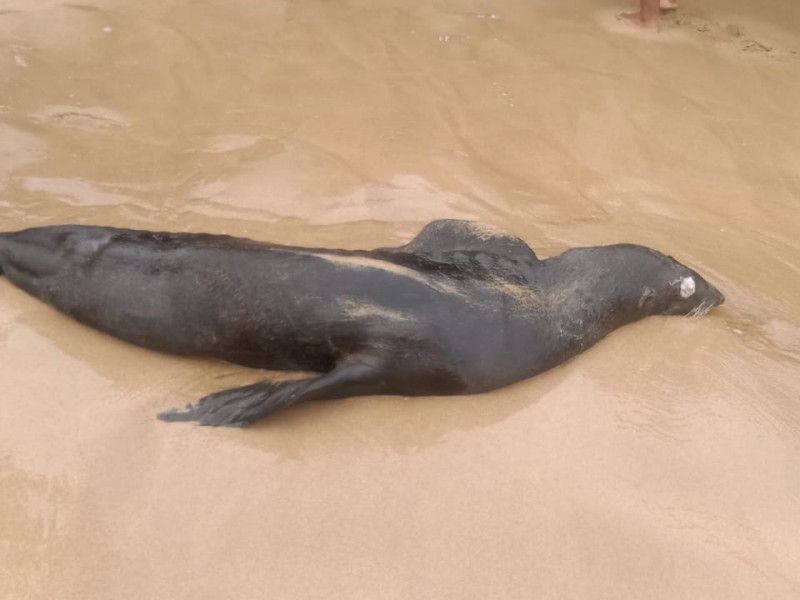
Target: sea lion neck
603,283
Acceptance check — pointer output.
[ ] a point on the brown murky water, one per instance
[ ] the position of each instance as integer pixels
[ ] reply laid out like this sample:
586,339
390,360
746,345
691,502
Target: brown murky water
663,463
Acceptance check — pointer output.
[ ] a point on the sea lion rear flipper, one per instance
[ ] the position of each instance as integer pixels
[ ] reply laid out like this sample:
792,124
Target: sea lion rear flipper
242,406
453,235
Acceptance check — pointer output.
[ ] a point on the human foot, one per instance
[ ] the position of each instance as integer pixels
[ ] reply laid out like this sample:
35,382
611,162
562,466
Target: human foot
635,19
666,5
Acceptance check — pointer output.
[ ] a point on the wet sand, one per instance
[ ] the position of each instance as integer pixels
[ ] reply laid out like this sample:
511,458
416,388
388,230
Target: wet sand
663,463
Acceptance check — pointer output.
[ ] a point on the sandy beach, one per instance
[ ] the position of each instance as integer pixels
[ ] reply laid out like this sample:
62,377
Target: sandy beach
664,463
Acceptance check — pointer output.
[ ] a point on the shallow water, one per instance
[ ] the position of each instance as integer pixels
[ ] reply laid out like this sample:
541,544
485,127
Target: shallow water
663,463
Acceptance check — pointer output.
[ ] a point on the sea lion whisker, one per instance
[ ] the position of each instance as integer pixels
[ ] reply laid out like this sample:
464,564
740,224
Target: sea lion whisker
700,310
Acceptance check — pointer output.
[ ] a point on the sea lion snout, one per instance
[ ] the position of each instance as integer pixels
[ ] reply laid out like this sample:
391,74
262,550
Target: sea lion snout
716,296
691,295
706,294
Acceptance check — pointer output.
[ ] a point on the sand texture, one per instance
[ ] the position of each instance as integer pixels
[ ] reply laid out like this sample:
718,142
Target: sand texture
664,463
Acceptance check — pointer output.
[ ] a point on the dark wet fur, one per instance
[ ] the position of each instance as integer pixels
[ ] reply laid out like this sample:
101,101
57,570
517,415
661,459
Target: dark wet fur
459,309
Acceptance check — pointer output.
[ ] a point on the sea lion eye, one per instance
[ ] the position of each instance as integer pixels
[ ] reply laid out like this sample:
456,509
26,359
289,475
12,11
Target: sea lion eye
687,287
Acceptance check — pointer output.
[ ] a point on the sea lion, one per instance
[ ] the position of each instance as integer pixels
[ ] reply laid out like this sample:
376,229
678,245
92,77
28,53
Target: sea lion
463,308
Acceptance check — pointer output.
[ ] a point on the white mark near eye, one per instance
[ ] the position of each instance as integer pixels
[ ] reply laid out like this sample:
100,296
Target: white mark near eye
687,287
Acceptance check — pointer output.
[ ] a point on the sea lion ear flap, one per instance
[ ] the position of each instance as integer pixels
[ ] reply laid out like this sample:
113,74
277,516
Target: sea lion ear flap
647,298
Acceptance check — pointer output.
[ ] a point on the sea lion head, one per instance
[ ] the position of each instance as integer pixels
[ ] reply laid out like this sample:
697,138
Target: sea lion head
669,287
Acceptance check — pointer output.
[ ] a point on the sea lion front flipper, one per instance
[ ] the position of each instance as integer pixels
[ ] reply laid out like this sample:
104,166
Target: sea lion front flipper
454,235
242,406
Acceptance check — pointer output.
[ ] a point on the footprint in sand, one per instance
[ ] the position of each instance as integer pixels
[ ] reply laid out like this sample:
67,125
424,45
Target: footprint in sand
92,118
731,35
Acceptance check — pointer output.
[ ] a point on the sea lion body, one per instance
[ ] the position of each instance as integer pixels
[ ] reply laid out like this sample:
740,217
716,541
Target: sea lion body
463,308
